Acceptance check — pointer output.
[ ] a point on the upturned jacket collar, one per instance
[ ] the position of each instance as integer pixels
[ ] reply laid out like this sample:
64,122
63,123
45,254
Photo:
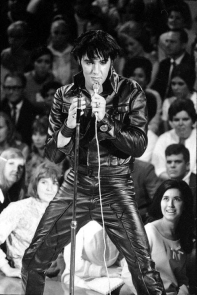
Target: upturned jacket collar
110,85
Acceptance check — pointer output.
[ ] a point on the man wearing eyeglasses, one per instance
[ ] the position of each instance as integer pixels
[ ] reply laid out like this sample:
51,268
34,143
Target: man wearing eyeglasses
21,111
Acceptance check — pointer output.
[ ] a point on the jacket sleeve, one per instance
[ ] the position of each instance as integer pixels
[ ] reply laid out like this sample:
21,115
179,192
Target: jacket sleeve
56,120
129,135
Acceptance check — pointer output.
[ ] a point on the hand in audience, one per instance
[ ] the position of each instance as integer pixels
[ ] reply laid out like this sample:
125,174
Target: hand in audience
10,271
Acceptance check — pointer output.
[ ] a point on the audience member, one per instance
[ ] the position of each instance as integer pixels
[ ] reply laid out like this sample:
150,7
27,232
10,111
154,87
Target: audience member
178,17
18,222
170,234
16,58
182,116
139,69
182,84
89,256
8,136
37,156
178,167
145,182
42,59
12,176
82,12
64,65
17,106
135,41
176,42
47,92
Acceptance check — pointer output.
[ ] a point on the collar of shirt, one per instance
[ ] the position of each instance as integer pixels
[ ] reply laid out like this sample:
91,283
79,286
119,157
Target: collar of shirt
187,177
18,108
177,60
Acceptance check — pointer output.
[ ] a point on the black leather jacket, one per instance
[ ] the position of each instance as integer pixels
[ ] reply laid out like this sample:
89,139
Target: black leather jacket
125,111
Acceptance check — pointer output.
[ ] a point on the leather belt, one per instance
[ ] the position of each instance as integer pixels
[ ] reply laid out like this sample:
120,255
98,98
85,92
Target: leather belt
105,170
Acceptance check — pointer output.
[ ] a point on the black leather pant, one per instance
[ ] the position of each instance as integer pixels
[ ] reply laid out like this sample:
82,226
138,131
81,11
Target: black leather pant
122,222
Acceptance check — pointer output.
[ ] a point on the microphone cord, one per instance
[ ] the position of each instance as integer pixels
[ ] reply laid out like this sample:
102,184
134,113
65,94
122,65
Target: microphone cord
100,198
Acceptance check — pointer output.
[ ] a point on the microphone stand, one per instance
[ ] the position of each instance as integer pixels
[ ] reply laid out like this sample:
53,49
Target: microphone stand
74,222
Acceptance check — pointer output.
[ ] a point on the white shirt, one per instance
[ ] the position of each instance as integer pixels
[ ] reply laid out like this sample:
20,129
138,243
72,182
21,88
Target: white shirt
164,140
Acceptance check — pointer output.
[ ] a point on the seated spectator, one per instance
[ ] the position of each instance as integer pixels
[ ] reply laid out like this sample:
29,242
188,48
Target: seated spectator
16,58
64,65
39,136
17,106
42,59
178,167
18,222
176,50
12,176
89,256
170,235
139,69
182,116
145,182
8,136
182,84
47,92
135,41
178,17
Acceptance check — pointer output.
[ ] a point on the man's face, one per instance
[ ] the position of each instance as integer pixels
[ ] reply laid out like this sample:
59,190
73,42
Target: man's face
95,70
13,88
182,124
174,47
175,20
176,166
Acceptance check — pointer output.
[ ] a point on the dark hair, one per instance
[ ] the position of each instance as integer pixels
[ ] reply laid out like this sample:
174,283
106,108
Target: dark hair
185,228
176,149
95,43
50,85
186,73
180,105
40,51
44,170
19,27
182,33
18,75
138,62
40,125
185,12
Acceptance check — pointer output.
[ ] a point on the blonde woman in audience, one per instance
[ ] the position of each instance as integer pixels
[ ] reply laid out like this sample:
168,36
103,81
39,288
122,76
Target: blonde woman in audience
8,136
18,222
12,176
182,117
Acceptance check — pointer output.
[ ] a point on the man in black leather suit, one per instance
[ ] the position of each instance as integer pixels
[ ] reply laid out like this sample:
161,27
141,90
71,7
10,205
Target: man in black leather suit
120,108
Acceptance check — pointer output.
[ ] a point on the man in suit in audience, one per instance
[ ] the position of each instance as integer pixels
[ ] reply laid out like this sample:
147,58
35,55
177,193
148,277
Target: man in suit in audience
176,42
21,111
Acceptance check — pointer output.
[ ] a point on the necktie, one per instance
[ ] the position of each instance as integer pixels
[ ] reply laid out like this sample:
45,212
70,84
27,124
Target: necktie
182,140
14,113
172,66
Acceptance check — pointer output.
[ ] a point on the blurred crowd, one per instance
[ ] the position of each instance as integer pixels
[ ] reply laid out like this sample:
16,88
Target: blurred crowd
159,50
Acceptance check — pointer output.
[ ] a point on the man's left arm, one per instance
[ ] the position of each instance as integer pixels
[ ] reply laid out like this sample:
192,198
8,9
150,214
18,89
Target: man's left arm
129,135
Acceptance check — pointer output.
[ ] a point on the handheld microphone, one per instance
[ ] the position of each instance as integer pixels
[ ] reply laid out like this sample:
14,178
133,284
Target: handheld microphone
95,87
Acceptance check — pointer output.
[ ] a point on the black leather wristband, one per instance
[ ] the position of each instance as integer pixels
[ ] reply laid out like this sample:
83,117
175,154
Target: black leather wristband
104,125
66,131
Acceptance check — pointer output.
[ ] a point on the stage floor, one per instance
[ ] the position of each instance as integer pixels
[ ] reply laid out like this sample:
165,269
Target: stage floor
12,286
